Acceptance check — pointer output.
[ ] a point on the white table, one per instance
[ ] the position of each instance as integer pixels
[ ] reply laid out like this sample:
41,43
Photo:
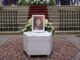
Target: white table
37,43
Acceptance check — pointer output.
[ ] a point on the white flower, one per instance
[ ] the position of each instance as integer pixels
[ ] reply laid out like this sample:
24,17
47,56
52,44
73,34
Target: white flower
52,27
51,30
19,1
32,2
45,21
30,21
49,23
36,2
24,29
41,2
28,26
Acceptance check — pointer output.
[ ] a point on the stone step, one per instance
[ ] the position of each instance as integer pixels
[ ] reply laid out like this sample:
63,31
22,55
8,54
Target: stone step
53,13
22,14
12,22
10,33
56,32
22,20
22,24
64,7
19,27
16,7
49,7
17,16
67,32
54,20
69,23
56,17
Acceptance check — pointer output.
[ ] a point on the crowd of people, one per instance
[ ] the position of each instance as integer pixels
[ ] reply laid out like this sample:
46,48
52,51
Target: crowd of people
8,2
68,2
57,2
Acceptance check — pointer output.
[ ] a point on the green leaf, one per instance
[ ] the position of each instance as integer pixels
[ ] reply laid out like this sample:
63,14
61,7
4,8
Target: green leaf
22,3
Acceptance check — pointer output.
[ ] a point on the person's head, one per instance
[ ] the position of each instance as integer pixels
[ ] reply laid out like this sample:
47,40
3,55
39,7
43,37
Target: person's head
38,22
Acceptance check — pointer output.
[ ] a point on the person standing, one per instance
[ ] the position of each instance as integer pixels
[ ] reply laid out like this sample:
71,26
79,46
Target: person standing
58,2
65,2
74,2
5,2
9,2
79,3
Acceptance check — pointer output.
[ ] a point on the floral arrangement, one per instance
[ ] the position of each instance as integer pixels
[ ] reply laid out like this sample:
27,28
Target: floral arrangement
52,2
22,2
28,26
37,2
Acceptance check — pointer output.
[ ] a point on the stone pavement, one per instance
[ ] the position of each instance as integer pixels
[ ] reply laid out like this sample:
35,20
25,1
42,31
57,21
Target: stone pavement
64,48
76,41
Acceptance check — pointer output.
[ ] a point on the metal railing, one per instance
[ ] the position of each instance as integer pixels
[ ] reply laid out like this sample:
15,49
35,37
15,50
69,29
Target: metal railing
8,20
69,20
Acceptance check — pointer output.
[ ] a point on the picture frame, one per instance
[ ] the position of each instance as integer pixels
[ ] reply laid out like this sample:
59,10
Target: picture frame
38,23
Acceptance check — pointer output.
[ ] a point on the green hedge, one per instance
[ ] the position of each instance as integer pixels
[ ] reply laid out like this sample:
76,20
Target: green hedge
24,2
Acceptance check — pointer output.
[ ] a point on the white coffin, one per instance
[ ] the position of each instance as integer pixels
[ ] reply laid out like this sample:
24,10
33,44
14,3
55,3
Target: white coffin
37,43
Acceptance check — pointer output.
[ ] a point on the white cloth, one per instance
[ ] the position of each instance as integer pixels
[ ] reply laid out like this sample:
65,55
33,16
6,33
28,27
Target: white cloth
37,43
38,34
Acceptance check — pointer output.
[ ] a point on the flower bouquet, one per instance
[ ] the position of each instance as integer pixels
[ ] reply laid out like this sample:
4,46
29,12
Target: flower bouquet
22,2
28,26
38,2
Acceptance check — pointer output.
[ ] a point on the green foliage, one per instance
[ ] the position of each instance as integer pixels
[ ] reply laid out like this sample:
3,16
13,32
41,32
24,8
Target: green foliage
52,2
28,26
41,2
22,2
38,2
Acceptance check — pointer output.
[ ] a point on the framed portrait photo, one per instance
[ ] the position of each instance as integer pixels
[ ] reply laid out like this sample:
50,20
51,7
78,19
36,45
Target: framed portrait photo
38,23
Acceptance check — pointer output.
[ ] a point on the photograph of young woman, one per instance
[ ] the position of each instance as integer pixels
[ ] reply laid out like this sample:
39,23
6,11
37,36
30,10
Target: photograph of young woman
38,23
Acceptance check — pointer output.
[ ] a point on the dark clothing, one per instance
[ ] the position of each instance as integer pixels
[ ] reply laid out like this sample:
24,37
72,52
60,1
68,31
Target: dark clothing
5,2
65,2
57,2
9,2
